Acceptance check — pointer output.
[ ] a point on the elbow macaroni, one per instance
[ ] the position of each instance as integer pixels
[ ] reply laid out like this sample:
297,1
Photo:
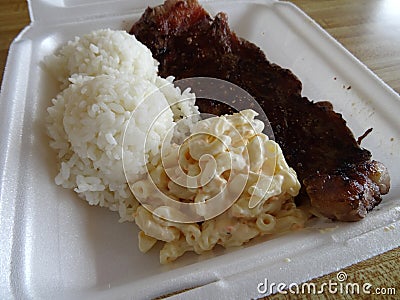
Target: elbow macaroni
265,205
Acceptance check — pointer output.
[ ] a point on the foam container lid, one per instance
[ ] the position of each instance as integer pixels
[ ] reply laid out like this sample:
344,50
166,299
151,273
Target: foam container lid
54,245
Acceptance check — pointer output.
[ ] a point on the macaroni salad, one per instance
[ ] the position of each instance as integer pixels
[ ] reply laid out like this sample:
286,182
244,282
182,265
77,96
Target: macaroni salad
232,178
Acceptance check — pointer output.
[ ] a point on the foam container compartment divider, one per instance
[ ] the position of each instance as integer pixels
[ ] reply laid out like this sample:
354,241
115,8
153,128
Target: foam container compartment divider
55,246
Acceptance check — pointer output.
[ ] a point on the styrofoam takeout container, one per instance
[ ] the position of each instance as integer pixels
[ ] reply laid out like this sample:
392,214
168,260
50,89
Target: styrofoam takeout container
54,245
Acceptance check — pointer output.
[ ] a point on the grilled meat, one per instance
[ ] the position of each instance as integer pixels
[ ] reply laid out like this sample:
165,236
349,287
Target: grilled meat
354,190
338,176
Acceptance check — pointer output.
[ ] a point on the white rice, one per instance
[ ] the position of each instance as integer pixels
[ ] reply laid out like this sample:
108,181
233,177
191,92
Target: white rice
87,120
102,52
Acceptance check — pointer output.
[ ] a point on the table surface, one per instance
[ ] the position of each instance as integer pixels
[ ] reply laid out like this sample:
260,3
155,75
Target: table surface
370,29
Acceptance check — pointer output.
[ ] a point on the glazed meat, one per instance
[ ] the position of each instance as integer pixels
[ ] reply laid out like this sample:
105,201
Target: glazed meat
353,190
339,178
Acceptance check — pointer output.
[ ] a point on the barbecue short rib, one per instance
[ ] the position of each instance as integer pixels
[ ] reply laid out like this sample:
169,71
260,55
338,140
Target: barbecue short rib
339,178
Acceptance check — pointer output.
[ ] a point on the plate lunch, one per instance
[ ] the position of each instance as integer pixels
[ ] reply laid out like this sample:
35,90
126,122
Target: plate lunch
54,245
